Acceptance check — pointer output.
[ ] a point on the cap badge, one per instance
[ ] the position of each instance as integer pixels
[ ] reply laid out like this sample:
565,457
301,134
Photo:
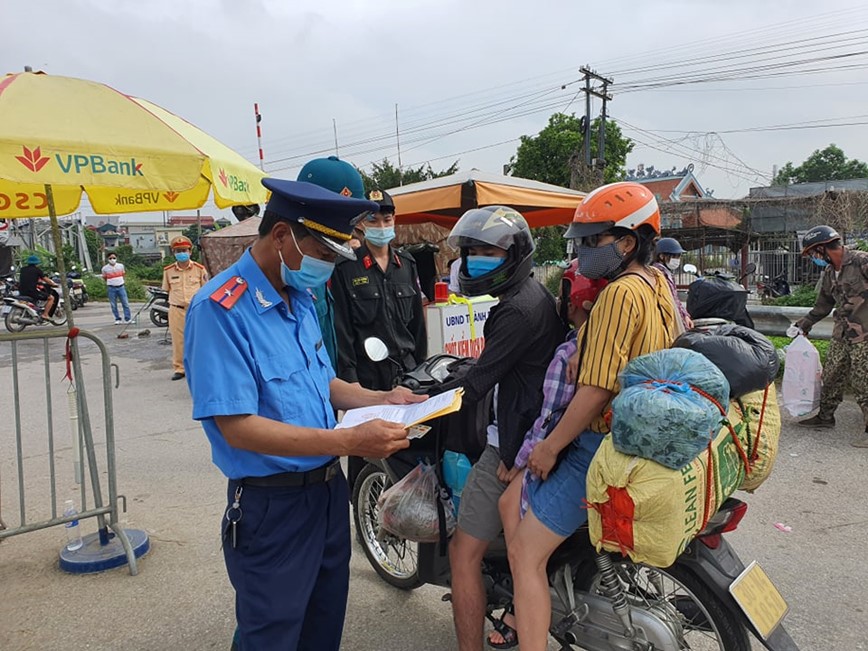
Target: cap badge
264,302
346,192
376,195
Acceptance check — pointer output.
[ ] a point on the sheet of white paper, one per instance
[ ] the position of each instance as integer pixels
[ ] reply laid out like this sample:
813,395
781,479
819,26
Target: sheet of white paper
405,414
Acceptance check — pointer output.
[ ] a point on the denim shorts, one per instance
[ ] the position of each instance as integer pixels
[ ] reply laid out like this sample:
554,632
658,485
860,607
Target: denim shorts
559,501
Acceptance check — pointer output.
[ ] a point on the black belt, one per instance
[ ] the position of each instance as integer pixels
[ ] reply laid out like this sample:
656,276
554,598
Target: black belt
295,479
180,307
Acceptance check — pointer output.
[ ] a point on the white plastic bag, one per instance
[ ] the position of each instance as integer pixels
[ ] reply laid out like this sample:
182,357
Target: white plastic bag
800,392
409,509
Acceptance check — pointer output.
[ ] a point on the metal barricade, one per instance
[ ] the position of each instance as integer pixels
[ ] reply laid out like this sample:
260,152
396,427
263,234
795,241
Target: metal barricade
105,511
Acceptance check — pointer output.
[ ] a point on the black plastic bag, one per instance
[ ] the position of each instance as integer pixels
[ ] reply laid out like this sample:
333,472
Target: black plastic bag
718,297
747,358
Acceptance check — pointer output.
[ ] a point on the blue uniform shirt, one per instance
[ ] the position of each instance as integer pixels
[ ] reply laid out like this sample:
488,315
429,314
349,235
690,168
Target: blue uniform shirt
256,357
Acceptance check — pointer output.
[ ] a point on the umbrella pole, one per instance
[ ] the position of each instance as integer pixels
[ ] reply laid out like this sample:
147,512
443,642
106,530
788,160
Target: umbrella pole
58,252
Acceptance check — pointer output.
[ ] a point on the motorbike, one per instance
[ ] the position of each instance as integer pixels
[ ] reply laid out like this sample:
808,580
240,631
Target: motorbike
770,289
21,311
8,287
77,290
158,306
600,601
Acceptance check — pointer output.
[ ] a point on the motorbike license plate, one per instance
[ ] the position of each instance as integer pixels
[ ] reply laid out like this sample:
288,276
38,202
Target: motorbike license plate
6,309
759,599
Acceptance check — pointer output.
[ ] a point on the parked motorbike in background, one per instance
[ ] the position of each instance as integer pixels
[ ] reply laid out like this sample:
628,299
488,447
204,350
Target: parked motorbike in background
600,601
770,289
8,285
21,311
158,306
77,290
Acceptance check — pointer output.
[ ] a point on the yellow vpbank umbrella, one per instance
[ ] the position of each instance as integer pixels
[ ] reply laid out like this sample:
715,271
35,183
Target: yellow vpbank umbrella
127,154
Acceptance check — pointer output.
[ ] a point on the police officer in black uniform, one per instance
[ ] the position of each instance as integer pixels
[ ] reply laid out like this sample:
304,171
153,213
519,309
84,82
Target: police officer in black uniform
378,295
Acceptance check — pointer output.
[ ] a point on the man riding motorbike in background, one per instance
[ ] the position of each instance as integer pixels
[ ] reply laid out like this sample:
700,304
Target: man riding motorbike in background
34,283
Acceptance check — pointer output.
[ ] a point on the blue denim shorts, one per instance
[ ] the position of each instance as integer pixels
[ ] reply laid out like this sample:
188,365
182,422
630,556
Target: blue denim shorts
559,501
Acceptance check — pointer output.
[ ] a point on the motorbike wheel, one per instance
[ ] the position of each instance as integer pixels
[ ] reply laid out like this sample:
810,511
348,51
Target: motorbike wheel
13,320
393,558
687,606
59,317
73,303
159,319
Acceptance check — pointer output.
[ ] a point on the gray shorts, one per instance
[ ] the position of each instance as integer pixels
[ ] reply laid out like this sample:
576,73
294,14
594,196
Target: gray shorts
477,514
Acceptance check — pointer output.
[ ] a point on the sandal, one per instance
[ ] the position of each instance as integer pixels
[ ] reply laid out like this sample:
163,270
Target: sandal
507,632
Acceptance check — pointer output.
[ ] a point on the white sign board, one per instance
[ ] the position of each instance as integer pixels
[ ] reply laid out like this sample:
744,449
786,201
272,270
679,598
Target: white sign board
456,327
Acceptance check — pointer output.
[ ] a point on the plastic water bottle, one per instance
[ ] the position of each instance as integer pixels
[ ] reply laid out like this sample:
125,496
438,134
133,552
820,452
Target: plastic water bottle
456,467
73,533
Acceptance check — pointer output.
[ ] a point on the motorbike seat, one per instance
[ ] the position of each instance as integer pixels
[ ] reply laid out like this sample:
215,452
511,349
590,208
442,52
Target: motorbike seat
25,298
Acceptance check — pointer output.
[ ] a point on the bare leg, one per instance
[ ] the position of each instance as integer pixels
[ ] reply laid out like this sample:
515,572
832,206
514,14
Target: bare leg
468,592
530,548
49,303
509,506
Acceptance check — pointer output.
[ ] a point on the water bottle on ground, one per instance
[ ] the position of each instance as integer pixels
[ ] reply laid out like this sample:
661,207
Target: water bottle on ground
456,467
73,533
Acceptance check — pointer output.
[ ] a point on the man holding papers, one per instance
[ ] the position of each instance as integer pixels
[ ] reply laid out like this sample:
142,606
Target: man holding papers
265,391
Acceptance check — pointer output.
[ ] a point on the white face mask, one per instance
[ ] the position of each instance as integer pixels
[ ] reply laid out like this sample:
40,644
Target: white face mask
674,264
112,261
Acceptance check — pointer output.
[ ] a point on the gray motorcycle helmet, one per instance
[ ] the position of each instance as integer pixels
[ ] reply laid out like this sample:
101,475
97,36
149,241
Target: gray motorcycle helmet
498,226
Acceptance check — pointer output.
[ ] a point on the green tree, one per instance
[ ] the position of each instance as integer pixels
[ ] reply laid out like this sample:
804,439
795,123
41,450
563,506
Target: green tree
128,257
548,156
385,176
830,164
550,244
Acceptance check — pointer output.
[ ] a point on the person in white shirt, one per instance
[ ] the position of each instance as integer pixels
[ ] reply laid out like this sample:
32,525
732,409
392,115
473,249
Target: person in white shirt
114,273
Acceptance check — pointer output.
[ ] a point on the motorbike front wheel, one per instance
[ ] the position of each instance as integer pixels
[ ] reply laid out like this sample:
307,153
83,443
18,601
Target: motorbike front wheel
394,559
13,320
688,608
59,317
159,319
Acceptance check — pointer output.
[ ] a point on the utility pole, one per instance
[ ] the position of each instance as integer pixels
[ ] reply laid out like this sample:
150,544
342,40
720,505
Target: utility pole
599,163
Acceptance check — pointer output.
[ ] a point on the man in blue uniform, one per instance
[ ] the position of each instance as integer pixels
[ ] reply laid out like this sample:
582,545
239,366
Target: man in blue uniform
264,390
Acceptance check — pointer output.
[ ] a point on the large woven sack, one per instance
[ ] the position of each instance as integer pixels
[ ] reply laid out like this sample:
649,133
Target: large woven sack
651,513
759,429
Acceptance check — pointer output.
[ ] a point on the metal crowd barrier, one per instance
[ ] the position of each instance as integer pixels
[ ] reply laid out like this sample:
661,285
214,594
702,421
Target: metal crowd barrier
85,457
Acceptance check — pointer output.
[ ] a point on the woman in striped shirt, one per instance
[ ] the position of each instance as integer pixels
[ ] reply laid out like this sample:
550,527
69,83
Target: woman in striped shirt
616,227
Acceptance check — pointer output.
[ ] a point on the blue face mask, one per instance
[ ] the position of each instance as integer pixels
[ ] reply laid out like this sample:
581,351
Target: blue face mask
379,236
479,265
182,256
313,272
820,262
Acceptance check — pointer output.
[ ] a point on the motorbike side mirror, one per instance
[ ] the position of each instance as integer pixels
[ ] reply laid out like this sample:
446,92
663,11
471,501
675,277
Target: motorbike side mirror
376,349
691,269
750,268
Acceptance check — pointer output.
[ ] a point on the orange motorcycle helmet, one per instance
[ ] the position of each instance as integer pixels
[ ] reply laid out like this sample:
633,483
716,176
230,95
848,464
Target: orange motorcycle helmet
626,204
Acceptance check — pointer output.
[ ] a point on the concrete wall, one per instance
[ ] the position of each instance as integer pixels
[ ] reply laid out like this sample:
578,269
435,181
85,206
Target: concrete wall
773,320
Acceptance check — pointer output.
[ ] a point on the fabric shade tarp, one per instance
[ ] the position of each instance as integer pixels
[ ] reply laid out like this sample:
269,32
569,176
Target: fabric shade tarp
443,200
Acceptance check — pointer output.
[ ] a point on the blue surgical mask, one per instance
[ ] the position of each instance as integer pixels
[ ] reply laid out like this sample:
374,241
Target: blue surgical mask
479,265
379,236
820,262
313,272
182,256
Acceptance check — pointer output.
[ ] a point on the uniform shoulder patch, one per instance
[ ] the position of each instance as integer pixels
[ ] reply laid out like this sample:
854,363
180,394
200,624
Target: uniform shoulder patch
229,292
198,264
169,266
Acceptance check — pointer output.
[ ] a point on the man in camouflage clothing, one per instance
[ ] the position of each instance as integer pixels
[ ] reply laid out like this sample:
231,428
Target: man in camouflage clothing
844,287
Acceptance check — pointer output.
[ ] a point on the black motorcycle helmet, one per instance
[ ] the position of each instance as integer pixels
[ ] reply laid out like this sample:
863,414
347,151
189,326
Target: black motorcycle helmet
498,226
818,236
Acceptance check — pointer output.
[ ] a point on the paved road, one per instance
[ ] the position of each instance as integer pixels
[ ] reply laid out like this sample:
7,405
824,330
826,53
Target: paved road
182,600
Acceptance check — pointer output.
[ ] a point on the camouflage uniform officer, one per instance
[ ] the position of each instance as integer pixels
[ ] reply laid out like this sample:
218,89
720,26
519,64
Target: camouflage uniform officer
844,287
182,279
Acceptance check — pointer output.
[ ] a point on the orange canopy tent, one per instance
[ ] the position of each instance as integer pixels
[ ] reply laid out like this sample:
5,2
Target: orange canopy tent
443,200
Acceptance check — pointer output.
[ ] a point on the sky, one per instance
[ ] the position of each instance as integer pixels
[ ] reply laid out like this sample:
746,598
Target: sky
470,78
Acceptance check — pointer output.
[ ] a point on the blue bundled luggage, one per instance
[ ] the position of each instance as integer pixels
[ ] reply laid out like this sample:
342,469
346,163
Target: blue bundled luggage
661,412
